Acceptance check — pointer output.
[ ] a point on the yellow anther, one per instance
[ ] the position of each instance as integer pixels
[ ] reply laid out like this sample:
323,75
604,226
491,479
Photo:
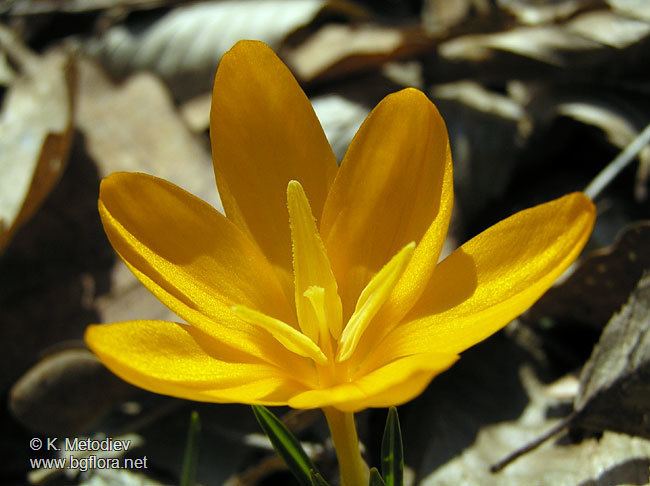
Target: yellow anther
372,298
286,335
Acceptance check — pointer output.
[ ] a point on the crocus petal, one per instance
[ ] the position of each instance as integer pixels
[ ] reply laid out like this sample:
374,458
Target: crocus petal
494,277
192,258
391,384
264,133
178,360
394,186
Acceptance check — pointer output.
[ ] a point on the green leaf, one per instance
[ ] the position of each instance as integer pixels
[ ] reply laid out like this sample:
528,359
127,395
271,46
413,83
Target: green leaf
191,456
375,478
392,452
286,445
317,479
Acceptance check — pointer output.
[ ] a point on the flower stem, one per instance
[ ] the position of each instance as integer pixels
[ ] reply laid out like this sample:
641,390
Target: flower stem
353,469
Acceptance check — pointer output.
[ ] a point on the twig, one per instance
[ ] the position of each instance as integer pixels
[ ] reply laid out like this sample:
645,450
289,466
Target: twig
618,164
534,444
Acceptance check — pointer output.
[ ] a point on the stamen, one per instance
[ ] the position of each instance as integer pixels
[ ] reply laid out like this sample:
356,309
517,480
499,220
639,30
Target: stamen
289,337
311,268
316,296
372,298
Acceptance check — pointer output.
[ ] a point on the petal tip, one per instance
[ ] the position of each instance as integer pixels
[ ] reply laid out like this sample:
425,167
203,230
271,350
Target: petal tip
293,186
295,193
245,49
582,204
90,336
108,181
413,92
409,95
249,44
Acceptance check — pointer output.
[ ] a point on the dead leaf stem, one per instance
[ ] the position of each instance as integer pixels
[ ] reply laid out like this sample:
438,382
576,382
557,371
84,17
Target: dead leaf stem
609,173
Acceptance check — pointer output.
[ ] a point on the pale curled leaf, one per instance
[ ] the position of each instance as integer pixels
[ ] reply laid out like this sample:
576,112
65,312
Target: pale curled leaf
337,50
549,44
639,9
35,135
618,125
475,96
615,393
609,28
535,13
581,40
438,16
185,45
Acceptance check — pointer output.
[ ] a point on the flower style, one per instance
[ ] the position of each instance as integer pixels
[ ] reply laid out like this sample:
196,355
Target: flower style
321,286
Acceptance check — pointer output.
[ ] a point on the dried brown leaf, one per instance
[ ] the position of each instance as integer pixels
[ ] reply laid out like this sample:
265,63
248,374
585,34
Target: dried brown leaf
35,133
612,459
615,386
135,127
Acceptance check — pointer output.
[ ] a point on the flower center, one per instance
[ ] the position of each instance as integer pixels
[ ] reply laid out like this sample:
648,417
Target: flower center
321,336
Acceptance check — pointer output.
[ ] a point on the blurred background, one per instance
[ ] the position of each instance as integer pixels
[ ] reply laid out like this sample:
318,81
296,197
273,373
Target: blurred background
538,96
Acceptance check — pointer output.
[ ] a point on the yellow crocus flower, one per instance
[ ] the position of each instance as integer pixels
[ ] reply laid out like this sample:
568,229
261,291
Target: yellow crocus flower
320,287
